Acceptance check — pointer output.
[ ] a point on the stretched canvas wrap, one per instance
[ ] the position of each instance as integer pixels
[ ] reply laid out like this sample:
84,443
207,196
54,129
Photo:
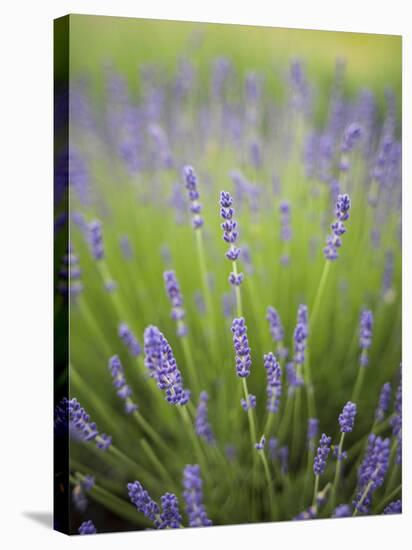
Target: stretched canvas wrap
227,274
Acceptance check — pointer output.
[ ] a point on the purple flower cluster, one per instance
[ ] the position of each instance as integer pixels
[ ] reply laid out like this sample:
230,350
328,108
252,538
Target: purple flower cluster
319,462
250,403
394,507
372,471
87,528
276,330
242,349
143,501
365,335
95,239
160,362
384,402
190,178
69,275
351,136
176,299
230,234
273,382
312,432
261,444
342,511
334,241
170,517
193,497
83,428
285,226
124,391
293,378
129,340
300,337
397,423
347,417
202,424
310,513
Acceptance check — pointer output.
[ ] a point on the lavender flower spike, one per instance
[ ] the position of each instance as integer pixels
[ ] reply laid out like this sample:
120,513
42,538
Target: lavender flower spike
95,239
119,381
193,497
143,501
250,403
334,241
274,382
313,428
365,335
129,340
160,362
347,417
242,349
83,428
276,330
394,507
319,462
190,178
202,425
342,511
261,445
384,402
87,528
372,471
230,234
170,517
176,299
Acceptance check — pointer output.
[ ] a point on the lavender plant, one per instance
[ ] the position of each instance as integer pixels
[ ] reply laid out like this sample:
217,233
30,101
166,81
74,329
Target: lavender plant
215,403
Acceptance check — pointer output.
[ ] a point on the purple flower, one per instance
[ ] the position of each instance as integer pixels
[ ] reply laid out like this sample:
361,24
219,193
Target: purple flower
190,178
202,425
230,234
352,134
126,247
397,423
384,402
88,482
170,517
242,349
310,513
69,275
273,447
143,501
347,417
160,362
273,382
285,227
313,429
276,330
300,336
250,403
87,528
365,335
176,299
83,428
333,241
372,471
394,507
95,239
342,511
319,462
261,445
119,381
294,380
193,497
129,340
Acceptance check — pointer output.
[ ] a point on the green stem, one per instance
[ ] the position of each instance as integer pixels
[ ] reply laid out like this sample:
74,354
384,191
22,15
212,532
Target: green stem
269,483
321,287
358,384
388,499
337,471
315,491
157,463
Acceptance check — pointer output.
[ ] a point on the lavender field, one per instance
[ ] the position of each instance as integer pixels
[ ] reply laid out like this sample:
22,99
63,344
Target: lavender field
233,277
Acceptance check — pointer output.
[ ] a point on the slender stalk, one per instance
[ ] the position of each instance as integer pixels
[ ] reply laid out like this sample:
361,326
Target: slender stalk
364,495
382,505
203,271
269,484
187,352
157,463
358,384
319,293
337,471
315,491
